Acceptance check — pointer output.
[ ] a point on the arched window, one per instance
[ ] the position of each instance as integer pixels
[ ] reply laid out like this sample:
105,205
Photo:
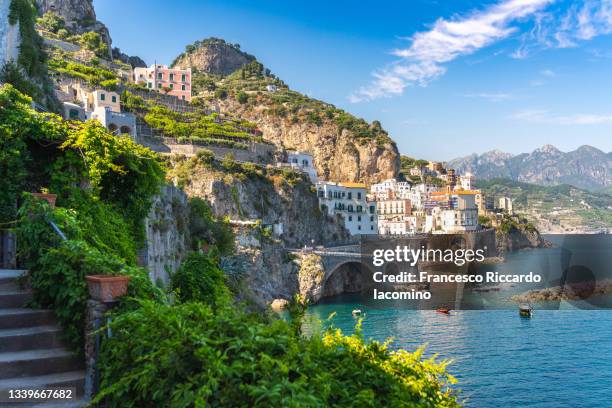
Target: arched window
126,129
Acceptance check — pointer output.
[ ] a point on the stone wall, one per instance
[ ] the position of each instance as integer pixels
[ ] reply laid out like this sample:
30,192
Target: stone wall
167,234
257,152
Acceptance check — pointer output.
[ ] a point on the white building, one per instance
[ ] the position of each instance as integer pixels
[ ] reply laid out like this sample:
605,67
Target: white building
463,217
271,88
349,201
390,188
102,105
505,204
466,181
303,162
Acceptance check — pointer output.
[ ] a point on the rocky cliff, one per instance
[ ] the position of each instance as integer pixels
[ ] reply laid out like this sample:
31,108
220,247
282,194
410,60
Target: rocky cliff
270,211
78,15
585,167
213,56
514,233
345,148
338,154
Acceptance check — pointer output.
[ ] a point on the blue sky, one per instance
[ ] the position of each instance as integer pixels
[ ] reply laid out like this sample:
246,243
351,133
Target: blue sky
445,78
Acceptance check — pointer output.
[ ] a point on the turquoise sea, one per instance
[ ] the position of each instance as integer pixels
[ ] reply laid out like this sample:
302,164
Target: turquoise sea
558,358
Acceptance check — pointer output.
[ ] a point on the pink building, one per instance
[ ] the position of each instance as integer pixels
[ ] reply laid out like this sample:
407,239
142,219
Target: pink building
171,81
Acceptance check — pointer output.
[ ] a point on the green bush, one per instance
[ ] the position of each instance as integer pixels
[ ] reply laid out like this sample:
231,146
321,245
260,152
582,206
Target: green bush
51,22
197,355
206,229
200,279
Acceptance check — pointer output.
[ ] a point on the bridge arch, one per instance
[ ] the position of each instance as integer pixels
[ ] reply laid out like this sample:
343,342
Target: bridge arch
349,276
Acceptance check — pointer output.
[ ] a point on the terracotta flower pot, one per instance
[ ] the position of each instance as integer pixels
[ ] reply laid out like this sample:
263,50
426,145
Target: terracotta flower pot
107,288
50,198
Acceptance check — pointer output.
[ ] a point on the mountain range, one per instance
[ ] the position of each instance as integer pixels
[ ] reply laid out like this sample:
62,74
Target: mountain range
586,167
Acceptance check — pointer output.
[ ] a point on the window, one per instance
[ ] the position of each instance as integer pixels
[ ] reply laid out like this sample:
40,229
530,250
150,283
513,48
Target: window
171,86
359,227
359,196
150,85
359,208
159,86
74,114
350,195
359,218
350,208
350,218
372,209
172,77
102,97
371,228
371,218
114,99
182,87
183,78
160,75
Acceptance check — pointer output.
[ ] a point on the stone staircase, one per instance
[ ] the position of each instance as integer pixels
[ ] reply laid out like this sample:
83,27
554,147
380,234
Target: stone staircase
32,354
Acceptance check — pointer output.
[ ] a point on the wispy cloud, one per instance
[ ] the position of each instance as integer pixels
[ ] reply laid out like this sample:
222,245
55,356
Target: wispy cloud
548,73
447,40
582,21
493,97
545,117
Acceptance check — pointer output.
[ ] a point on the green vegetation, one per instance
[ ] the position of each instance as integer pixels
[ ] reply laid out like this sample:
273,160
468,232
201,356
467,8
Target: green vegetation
207,230
212,353
189,283
93,75
196,127
248,85
197,347
32,58
104,185
564,204
406,163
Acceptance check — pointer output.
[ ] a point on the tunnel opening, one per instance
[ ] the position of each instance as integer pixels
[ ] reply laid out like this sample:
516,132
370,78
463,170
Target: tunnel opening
351,277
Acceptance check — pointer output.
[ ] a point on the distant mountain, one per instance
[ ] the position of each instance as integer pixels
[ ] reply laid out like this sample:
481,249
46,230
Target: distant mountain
585,167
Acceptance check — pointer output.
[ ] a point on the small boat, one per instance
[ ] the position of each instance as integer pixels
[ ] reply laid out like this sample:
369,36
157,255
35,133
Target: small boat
443,310
525,310
356,312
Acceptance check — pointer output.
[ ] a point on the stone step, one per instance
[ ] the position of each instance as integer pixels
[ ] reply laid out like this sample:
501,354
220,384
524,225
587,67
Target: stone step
17,318
70,379
9,279
11,300
30,338
38,362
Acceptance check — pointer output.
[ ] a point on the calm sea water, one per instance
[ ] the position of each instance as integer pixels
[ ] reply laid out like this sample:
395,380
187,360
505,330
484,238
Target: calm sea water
558,358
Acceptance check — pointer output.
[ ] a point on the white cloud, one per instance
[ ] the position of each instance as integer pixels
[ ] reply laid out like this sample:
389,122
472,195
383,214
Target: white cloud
582,21
548,73
445,41
544,117
493,97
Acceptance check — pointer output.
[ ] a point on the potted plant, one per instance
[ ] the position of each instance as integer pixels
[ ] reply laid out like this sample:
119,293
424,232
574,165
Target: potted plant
45,195
107,288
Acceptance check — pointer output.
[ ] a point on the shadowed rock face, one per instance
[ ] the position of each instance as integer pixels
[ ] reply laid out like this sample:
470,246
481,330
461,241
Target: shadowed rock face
214,56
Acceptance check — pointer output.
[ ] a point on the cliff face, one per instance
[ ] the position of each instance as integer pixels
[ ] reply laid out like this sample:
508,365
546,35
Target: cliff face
271,200
79,16
9,36
213,56
261,265
338,155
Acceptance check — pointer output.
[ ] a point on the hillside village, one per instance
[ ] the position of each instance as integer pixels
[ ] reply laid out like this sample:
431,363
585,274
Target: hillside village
142,101
212,192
